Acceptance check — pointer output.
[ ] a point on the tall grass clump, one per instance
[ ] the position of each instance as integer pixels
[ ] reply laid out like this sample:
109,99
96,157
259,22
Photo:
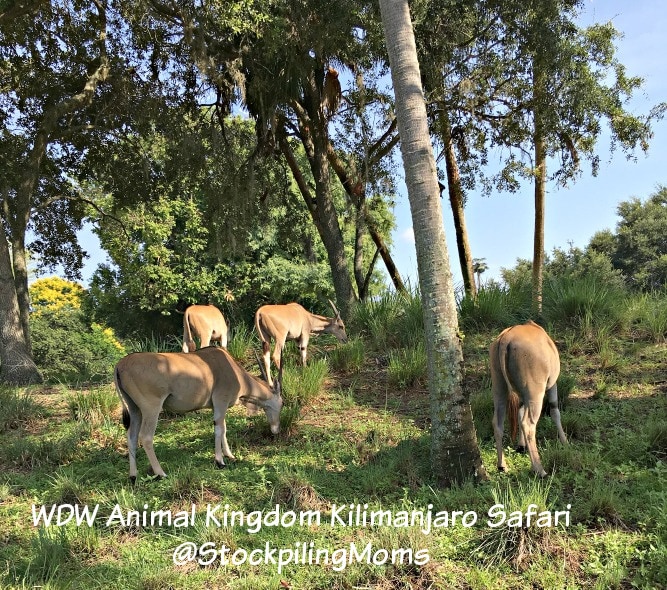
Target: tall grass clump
512,545
51,552
299,386
495,307
92,405
584,303
241,341
302,384
647,315
391,320
348,357
407,366
154,343
17,408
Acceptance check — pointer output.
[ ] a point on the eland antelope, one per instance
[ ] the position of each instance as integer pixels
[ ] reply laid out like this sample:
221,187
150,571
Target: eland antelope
293,322
207,378
206,323
524,364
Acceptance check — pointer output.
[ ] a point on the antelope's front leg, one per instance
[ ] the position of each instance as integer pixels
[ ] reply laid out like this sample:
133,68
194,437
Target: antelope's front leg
221,445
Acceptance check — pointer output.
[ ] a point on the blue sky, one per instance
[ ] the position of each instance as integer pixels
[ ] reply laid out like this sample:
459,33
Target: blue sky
501,226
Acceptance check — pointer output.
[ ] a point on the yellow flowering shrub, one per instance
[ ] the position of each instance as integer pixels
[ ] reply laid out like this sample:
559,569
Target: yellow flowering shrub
54,294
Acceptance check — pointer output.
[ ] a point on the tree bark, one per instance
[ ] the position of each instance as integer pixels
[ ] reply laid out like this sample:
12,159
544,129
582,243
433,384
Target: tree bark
455,455
20,265
456,202
16,364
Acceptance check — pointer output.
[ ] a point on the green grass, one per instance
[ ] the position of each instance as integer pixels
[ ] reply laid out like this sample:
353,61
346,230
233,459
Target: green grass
350,437
407,366
18,408
241,342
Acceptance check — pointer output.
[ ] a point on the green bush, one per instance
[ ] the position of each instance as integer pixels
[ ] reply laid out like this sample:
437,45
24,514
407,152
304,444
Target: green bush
66,350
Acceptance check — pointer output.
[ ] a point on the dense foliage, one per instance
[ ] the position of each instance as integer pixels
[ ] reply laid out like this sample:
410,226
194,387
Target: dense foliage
68,348
638,247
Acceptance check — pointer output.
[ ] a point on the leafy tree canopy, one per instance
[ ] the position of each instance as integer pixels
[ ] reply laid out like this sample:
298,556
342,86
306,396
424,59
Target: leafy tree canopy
638,248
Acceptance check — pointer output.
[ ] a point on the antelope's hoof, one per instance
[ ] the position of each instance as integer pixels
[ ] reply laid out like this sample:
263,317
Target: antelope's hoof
155,476
133,480
521,449
220,464
502,468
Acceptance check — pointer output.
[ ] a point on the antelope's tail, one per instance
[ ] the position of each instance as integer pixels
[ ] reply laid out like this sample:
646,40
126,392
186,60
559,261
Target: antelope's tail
513,400
123,398
187,334
262,336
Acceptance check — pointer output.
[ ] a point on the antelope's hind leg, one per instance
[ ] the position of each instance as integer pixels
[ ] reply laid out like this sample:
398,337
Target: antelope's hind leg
500,397
133,438
554,412
146,434
528,423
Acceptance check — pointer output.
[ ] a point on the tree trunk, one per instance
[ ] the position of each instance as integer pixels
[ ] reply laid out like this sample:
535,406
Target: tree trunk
455,455
16,364
540,196
456,203
20,265
353,189
322,209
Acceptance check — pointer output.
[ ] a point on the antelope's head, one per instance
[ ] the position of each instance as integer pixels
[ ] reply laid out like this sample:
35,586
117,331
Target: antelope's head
336,325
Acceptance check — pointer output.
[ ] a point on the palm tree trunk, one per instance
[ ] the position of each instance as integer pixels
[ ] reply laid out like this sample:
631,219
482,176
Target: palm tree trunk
540,195
458,213
455,455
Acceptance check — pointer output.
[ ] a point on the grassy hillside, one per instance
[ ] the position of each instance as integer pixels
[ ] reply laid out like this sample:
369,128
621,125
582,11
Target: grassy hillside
355,434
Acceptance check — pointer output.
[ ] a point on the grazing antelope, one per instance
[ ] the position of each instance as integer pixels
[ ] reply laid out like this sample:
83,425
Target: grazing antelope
293,322
206,323
207,378
525,363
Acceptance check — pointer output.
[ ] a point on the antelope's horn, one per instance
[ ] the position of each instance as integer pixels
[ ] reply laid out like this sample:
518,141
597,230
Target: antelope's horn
261,367
333,306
